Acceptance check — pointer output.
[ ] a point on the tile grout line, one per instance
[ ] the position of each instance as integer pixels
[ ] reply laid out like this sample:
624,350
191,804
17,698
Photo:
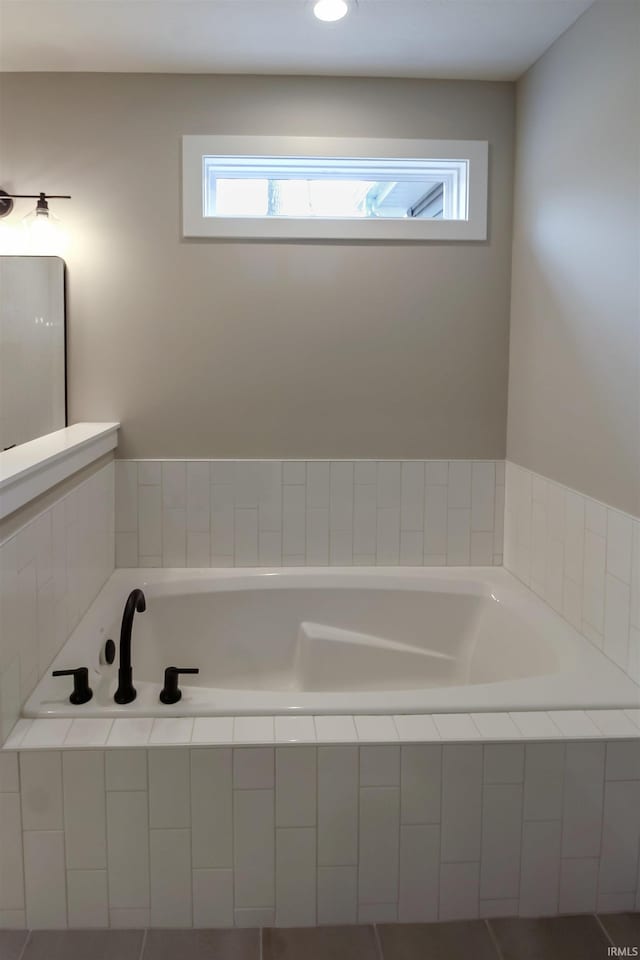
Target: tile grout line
143,944
494,939
603,928
376,934
25,945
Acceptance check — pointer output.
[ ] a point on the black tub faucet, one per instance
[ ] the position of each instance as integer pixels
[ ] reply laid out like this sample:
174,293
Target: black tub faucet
126,691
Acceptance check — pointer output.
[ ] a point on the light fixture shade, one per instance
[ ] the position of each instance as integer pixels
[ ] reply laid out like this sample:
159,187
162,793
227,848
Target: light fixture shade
44,234
330,10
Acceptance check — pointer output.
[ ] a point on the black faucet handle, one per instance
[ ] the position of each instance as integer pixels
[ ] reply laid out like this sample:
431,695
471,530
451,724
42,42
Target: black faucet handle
82,692
171,692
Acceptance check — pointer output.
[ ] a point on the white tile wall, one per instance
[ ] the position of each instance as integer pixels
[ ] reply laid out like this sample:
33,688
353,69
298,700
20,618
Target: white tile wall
300,835
289,513
50,572
581,557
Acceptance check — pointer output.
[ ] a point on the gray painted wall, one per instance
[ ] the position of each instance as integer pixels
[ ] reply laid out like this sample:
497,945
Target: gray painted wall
213,349
574,379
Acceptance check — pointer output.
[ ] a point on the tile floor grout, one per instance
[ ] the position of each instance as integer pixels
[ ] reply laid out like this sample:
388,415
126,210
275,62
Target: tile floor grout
376,934
604,929
24,945
494,939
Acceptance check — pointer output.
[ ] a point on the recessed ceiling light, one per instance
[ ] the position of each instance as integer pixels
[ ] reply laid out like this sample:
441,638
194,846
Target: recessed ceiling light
330,10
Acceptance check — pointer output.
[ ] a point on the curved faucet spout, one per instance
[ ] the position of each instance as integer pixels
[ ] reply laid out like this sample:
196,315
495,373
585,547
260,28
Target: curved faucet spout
126,691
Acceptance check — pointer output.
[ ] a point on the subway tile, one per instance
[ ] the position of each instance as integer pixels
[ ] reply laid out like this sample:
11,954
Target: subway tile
377,913
126,769
46,733
149,472
317,536
88,732
212,730
11,856
253,768
254,848
411,548
126,496
435,519
365,472
543,781
595,517
372,729
617,608
253,917
419,873
459,484
170,730
128,849
574,723
222,519
578,885
583,797
612,723
437,472
294,472
85,826
41,783
412,496
130,732
337,895
169,800
483,481
174,537
459,891
211,808
620,837
504,763
379,766
461,802
253,730
296,786
198,497
619,544
318,484
44,879
341,497
9,775
295,729
458,537
388,536
388,479
87,899
293,519
337,805
212,898
491,909
296,877
623,760
198,548
495,726
174,484
416,727
594,580
421,784
335,729
540,875
481,550
501,834
149,520
246,536
378,845
170,878
456,726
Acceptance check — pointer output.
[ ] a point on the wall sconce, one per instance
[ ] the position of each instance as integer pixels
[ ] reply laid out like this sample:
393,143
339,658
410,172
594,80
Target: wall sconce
43,229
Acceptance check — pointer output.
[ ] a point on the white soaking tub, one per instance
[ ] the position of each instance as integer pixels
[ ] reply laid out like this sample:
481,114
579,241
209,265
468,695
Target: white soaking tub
275,641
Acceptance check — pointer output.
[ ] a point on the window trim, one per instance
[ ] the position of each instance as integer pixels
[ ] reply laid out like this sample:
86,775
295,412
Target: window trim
195,224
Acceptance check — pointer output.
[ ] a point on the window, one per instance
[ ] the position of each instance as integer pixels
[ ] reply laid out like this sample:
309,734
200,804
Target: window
270,187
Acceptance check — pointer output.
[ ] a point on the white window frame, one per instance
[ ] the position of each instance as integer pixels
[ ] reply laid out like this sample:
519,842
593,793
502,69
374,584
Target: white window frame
195,224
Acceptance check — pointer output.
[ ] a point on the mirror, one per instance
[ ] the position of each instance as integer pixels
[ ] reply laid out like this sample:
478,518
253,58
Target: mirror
32,348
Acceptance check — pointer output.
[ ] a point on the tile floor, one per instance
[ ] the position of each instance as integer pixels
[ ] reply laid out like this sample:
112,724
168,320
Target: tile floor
554,938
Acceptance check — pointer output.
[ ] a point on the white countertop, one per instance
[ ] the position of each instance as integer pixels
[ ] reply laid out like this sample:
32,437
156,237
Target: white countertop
28,470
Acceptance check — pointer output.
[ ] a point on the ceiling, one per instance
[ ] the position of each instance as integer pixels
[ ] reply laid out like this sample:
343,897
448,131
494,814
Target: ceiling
481,39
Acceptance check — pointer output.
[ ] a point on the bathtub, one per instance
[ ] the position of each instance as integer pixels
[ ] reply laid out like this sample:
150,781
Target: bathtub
354,641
